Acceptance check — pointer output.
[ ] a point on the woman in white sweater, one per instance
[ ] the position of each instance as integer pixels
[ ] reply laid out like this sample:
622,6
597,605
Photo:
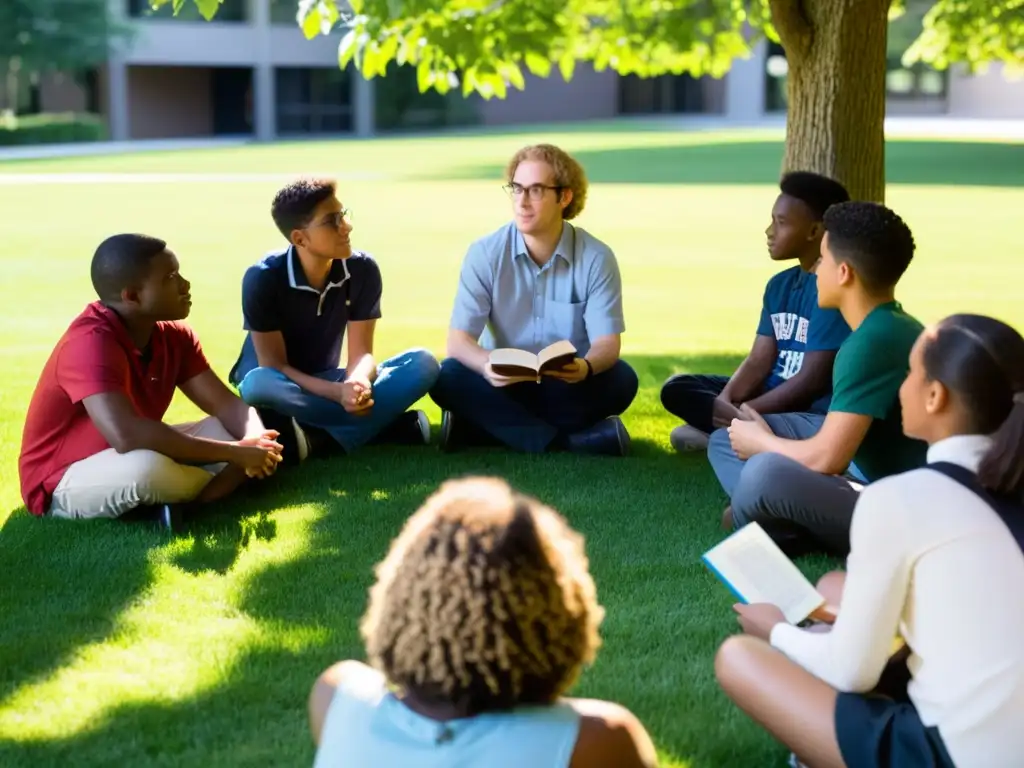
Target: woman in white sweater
936,560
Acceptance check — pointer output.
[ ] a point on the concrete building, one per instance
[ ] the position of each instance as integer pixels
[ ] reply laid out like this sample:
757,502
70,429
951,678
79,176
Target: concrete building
252,71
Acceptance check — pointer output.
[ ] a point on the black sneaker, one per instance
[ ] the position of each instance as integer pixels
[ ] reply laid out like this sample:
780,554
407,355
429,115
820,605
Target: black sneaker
165,516
293,440
606,438
410,428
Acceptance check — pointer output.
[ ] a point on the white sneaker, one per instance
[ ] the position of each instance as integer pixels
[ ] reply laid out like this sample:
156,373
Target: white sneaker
301,440
685,439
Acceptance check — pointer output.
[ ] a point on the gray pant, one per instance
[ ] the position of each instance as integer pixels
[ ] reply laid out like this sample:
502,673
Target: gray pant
771,488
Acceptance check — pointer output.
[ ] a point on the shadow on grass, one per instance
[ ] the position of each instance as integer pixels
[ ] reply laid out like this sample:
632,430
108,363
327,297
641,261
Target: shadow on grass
646,518
961,163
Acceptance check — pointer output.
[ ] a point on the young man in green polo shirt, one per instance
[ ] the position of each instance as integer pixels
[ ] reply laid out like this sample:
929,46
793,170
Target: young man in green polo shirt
799,476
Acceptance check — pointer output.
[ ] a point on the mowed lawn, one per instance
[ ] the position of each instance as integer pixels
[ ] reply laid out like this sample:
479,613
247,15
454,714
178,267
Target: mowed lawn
121,646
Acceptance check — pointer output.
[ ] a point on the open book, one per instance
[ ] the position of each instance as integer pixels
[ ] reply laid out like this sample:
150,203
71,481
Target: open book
757,571
519,362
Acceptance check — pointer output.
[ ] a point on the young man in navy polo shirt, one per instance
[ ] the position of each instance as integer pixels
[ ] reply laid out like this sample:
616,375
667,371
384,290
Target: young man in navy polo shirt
94,443
297,304
789,368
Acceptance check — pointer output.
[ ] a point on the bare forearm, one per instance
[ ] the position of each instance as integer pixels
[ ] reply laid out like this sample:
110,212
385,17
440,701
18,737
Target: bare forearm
147,434
747,380
791,396
808,452
319,387
467,351
603,355
363,367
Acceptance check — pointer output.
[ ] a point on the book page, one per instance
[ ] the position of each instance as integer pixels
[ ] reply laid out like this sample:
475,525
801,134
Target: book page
754,567
516,357
558,349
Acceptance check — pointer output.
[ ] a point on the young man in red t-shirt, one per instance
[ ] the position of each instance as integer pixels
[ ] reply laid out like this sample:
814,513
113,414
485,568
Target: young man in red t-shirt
94,444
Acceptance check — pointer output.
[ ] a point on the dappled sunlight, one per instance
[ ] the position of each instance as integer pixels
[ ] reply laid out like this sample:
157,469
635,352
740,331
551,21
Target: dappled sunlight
181,637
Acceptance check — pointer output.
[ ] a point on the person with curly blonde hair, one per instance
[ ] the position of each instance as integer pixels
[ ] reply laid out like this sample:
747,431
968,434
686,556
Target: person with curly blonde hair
482,618
538,280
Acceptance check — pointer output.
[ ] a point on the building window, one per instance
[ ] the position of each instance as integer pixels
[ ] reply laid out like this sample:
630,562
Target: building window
664,94
230,11
313,100
918,83
283,12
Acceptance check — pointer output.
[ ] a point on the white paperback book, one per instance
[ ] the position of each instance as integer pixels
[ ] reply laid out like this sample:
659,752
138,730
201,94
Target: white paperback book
757,571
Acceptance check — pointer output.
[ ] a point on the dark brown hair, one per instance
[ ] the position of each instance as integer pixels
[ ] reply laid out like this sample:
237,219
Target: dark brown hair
981,360
294,204
484,602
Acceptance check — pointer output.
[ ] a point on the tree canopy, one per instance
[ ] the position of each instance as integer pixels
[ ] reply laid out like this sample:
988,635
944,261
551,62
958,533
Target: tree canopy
486,46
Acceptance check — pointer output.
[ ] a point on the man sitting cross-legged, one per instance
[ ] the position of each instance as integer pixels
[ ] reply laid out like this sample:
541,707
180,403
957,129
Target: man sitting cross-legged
797,473
535,281
297,304
94,444
789,368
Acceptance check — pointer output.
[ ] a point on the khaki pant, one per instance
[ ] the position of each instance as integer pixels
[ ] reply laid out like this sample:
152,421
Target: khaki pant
109,483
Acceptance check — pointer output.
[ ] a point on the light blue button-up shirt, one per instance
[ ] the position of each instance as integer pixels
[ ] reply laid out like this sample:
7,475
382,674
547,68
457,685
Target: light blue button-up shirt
505,300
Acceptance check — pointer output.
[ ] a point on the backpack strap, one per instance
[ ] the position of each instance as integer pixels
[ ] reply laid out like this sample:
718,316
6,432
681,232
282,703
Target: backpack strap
1010,511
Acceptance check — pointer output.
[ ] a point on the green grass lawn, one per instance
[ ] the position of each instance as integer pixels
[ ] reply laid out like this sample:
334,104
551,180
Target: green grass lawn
119,646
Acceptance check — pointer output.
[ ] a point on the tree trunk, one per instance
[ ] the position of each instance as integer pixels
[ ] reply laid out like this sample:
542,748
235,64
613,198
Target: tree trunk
836,50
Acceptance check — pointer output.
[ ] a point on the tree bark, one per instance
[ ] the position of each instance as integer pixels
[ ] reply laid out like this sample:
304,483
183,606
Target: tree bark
836,50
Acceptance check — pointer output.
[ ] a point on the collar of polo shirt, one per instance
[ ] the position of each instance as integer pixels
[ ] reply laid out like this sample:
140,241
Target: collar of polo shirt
296,274
566,247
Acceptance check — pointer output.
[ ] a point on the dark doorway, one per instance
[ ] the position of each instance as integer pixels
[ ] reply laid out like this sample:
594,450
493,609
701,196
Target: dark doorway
667,94
231,92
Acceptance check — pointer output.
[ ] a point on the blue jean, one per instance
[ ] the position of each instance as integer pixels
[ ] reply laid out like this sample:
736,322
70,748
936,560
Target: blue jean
775,490
529,416
401,381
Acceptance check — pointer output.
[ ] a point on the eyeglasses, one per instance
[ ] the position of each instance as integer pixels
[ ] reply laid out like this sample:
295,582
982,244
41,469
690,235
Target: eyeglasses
334,220
534,191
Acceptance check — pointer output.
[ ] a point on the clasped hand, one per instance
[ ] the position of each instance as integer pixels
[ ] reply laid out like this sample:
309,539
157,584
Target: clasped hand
747,432
261,454
356,396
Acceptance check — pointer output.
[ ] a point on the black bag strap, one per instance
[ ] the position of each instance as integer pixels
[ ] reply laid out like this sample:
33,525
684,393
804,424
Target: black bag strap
1009,510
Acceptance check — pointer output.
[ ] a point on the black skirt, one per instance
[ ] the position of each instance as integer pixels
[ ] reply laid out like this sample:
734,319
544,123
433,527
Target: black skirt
880,732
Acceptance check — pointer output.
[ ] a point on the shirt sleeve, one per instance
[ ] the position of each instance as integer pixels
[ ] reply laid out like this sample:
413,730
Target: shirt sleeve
473,296
853,655
604,314
765,327
259,311
90,365
867,377
367,290
828,330
193,359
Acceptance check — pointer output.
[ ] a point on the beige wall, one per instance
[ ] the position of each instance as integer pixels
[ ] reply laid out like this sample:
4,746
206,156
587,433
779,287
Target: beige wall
588,95
169,102
989,95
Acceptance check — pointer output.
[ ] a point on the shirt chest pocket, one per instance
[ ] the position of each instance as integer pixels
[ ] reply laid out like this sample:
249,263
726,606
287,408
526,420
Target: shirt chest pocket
564,320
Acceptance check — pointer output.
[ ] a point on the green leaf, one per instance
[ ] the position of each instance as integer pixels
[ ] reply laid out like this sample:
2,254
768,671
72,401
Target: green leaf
206,7
311,22
515,76
566,65
537,64
424,74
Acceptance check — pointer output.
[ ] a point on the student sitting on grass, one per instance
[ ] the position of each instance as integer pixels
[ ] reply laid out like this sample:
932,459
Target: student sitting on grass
94,443
483,615
297,305
536,281
797,473
936,558
789,368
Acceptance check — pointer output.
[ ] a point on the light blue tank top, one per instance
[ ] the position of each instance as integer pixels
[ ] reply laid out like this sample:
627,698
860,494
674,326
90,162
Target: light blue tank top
368,727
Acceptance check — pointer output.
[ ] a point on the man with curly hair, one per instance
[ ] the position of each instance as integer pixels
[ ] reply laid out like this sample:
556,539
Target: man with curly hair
297,305
482,618
535,281
799,477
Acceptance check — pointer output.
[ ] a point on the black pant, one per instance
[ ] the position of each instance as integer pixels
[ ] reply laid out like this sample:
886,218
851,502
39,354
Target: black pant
530,416
691,397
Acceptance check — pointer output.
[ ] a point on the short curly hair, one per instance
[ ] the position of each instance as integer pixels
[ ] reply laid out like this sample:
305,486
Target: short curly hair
295,203
484,601
872,239
568,172
817,192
